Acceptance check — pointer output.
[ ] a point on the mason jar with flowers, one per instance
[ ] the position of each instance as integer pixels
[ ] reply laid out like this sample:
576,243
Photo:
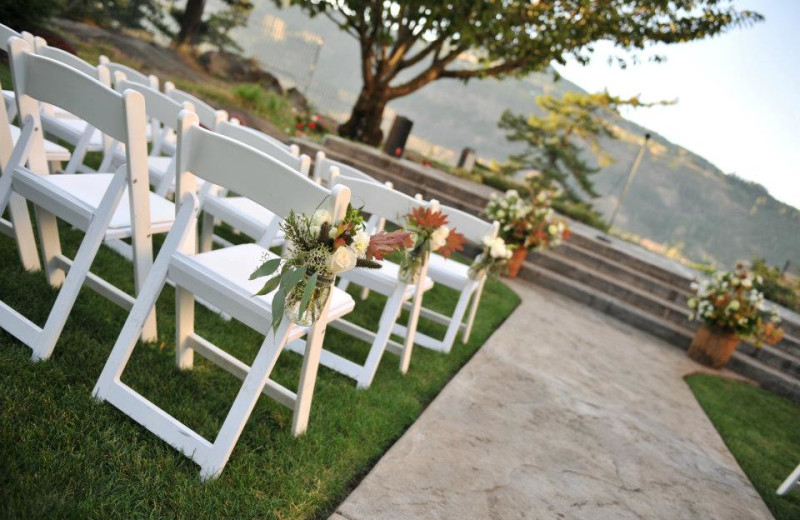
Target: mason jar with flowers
431,232
493,260
319,249
729,307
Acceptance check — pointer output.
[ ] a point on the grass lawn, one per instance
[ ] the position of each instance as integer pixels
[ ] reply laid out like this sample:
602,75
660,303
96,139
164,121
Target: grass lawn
761,429
63,455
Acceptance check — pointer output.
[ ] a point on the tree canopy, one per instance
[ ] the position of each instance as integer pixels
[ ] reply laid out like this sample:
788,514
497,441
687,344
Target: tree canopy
407,44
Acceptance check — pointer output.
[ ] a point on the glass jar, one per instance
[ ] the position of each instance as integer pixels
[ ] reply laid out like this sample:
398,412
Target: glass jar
316,302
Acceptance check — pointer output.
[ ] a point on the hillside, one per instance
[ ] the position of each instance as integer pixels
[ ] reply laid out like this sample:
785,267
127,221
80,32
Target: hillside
678,198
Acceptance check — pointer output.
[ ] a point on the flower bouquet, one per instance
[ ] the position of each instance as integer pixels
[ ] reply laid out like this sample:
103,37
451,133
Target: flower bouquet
429,227
730,306
493,260
526,225
319,250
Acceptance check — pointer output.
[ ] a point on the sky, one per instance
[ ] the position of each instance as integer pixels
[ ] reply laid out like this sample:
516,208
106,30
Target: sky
738,96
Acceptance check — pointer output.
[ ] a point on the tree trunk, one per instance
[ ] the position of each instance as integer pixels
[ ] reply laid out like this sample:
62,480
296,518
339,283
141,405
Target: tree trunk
364,124
190,22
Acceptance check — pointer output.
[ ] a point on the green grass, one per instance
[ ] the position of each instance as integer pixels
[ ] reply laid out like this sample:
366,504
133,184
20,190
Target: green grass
63,455
761,429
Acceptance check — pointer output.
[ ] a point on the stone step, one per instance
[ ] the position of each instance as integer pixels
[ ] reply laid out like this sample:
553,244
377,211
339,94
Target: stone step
789,344
602,248
624,273
642,299
757,368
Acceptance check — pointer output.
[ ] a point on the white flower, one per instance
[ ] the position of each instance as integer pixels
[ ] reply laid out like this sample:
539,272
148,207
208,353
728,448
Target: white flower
498,248
343,259
512,193
439,237
733,306
747,283
742,322
360,243
552,229
321,216
734,281
692,303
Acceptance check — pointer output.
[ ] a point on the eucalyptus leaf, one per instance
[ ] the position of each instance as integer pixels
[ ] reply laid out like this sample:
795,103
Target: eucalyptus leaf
292,278
266,269
270,286
311,284
278,303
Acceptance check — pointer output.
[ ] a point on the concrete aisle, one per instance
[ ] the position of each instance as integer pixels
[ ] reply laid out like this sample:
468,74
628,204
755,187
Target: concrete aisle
565,413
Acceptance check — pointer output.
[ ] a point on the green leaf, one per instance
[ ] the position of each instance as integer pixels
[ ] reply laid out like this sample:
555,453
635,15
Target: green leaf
291,278
278,303
310,286
267,268
270,286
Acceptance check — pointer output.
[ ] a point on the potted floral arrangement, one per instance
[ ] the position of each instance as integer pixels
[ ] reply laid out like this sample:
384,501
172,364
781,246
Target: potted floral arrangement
430,233
729,307
319,250
526,225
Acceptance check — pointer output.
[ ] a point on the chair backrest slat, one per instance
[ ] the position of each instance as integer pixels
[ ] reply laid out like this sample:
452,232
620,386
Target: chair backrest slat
236,166
378,199
209,116
260,142
473,228
131,74
323,165
42,49
159,106
49,81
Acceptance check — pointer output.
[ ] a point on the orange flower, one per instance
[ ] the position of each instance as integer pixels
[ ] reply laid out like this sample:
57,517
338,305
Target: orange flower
455,242
425,218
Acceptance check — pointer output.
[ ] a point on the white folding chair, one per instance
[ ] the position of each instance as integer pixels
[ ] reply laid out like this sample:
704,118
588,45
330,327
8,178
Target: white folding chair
791,482
241,212
456,276
19,227
222,278
56,154
209,116
69,128
97,204
162,112
392,205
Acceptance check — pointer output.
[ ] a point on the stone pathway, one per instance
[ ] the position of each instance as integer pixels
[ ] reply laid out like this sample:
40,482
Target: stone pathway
565,413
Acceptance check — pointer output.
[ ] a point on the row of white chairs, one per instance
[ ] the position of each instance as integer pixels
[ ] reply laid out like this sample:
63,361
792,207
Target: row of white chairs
204,164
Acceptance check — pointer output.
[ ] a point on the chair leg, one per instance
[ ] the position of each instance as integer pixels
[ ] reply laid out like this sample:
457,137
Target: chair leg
206,233
476,301
23,233
455,323
389,317
413,319
184,327
308,375
50,243
244,403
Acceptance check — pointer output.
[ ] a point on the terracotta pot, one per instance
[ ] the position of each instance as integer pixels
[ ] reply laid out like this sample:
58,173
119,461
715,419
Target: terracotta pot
713,347
515,262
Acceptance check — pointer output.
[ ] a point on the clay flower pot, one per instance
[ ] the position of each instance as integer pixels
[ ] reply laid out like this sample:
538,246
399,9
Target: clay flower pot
515,262
713,347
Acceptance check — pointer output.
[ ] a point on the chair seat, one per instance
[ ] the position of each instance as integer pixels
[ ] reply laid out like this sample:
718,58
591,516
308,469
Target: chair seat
448,272
89,188
227,271
53,151
71,130
382,280
241,213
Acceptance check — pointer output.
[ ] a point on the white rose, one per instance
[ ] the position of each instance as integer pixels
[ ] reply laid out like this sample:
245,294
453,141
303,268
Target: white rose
552,229
343,259
360,243
488,240
439,237
747,283
512,193
498,248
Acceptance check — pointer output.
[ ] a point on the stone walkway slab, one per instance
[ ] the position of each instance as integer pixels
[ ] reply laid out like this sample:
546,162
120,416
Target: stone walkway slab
565,413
